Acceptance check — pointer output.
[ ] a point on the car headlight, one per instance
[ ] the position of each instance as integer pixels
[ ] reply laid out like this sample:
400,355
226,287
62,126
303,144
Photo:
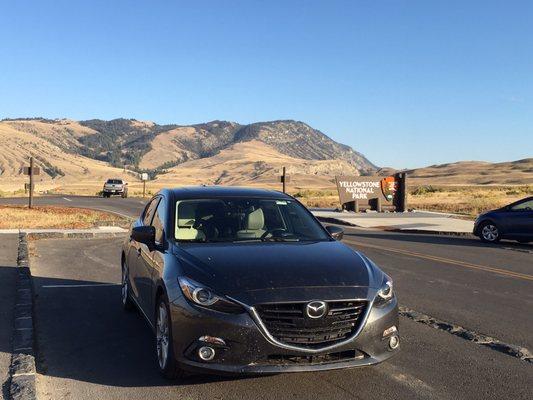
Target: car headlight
385,292
205,297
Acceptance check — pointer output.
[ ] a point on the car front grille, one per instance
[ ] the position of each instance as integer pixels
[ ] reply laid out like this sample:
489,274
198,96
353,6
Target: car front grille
289,324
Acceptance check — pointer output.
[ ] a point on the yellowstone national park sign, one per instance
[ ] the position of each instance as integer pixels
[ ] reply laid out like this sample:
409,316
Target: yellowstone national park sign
364,189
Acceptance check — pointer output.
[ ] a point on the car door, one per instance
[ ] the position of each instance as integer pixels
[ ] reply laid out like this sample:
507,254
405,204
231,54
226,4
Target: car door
137,260
155,263
520,219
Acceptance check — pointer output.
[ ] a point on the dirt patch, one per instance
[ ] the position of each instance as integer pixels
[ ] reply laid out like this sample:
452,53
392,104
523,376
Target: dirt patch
42,217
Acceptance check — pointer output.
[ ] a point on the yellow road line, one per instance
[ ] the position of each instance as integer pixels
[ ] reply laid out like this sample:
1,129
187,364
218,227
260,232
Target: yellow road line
446,260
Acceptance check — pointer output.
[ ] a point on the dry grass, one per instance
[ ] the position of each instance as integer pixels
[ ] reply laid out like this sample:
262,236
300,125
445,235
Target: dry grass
318,198
470,201
15,217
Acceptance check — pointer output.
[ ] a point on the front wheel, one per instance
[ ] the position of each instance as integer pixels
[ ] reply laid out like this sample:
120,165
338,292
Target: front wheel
167,364
127,303
489,233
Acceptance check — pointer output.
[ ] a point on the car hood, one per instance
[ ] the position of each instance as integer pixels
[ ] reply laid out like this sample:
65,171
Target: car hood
258,272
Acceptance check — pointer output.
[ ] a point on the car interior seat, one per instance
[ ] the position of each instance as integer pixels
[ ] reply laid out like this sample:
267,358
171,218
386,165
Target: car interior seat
185,221
254,225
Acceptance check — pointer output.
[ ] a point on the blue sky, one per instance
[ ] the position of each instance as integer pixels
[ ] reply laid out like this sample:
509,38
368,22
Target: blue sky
407,83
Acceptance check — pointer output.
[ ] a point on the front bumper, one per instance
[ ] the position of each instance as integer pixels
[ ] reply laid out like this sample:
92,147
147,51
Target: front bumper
248,351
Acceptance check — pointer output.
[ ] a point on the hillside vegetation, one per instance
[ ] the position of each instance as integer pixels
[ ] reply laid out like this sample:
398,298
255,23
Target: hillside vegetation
78,156
75,155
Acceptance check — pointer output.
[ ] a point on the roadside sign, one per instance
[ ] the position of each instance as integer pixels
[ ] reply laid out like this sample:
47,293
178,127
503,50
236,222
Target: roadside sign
144,176
372,191
36,171
31,171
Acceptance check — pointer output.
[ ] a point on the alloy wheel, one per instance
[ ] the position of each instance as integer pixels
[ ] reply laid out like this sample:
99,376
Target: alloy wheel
162,335
124,288
490,232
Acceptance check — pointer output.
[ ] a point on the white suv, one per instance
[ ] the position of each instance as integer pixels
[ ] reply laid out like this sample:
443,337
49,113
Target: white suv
115,187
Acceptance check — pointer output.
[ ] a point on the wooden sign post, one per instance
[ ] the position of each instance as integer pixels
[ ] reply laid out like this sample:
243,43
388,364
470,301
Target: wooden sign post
31,171
144,178
284,179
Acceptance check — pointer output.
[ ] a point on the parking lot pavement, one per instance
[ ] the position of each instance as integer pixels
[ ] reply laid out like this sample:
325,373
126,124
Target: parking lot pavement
486,288
90,349
8,287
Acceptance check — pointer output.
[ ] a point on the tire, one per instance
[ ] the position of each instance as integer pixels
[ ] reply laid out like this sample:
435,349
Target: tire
489,232
166,361
125,296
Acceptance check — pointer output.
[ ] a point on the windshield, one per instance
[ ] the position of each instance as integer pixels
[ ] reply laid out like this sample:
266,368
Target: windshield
114,181
237,219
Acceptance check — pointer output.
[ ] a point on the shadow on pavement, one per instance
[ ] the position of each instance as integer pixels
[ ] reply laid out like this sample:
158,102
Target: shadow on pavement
83,334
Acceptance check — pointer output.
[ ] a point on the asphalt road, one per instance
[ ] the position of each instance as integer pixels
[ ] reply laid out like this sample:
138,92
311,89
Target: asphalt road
89,348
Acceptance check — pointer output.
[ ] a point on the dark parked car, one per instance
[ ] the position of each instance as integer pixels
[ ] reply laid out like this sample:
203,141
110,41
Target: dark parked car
247,281
514,221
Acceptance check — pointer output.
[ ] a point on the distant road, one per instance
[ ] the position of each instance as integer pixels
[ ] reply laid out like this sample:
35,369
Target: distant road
130,207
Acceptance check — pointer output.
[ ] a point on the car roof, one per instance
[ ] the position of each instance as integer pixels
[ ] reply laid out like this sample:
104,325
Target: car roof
203,192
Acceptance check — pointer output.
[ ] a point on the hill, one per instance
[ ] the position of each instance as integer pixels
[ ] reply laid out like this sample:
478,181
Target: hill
72,152
518,172
77,156
54,147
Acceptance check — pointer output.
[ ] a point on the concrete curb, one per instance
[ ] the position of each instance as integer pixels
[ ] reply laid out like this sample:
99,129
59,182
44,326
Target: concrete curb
73,235
22,369
429,232
331,220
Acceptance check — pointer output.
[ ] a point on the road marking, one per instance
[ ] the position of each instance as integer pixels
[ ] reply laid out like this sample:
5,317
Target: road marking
498,271
23,348
403,378
129,217
80,285
66,199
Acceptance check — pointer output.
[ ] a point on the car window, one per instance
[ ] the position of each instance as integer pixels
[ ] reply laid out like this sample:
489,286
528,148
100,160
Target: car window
525,206
245,219
149,211
114,181
157,223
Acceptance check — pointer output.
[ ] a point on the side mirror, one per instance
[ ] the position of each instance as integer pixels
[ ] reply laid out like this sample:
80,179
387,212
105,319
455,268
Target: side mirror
335,232
144,234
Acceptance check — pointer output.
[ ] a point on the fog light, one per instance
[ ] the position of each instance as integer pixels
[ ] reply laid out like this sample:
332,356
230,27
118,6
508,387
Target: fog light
394,342
206,353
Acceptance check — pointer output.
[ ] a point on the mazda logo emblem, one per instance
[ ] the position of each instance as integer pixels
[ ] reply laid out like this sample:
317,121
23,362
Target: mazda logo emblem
316,309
